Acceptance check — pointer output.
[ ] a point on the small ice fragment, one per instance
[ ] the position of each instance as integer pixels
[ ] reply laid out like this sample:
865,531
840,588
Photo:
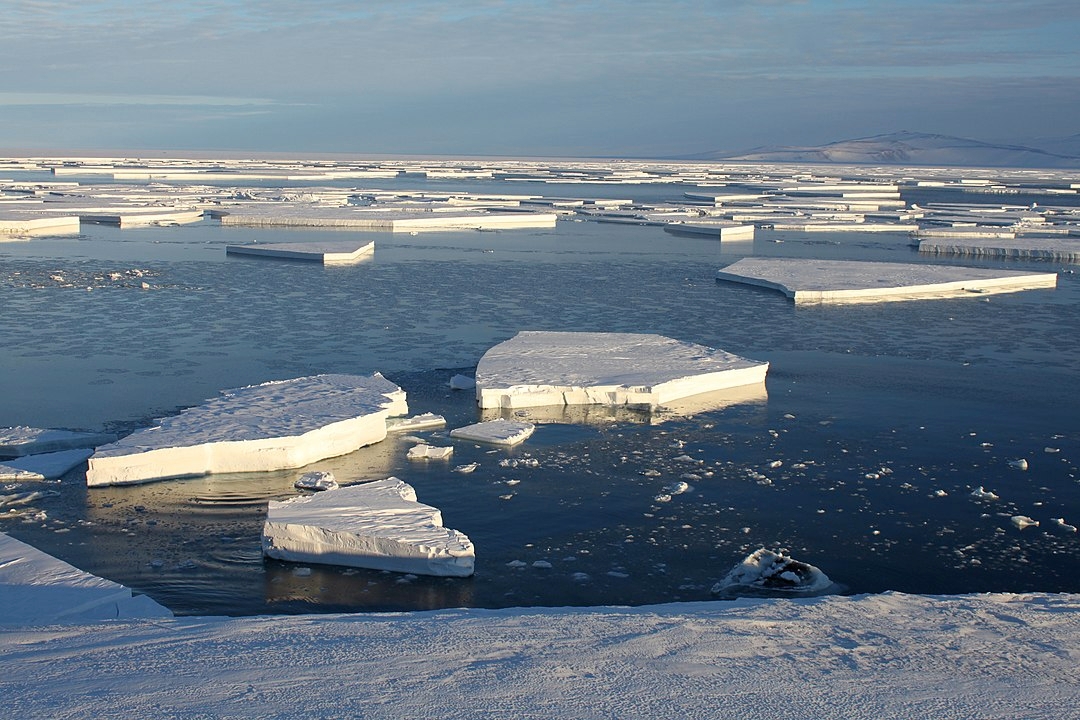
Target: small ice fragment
1019,464
662,498
543,564
466,469
1060,522
980,494
496,432
316,480
651,473
429,452
1051,450
940,493
765,571
516,564
677,488
776,463
1023,521
462,382
418,422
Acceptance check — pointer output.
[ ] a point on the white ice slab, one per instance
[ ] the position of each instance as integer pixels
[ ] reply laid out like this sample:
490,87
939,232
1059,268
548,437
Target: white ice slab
331,252
423,451
38,589
817,281
272,426
45,466
378,525
384,221
1061,249
21,440
570,368
722,230
495,432
30,224
424,421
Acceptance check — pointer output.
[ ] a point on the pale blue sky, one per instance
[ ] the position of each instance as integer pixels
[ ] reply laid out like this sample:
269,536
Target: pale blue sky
530,77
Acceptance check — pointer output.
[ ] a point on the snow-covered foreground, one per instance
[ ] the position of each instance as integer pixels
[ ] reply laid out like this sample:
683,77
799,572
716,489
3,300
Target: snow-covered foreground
880,656
874,656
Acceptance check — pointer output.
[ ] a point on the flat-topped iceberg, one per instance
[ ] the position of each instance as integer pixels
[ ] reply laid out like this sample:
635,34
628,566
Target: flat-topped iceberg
377,525
579,368
815,281
272,426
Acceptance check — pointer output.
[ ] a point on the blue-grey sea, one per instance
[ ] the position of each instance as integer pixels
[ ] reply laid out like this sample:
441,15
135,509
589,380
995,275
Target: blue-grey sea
878,423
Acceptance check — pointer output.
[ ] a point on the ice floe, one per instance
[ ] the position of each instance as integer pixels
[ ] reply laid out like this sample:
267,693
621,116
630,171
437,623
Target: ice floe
1023,521
764,572
328,253
423,451
1061,249
41,590
537,368
423,421
21,440
377,525
495,432
821,281
318,480
44,466
271,426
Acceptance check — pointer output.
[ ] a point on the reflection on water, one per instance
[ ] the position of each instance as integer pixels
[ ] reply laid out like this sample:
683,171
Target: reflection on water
877,423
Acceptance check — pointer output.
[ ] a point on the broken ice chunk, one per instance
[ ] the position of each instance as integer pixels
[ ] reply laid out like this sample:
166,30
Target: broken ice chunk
424,451
462,382
417,422
496,432
21,440
318,480
980,494
1019,464
1023,521
378,525
765,572
1060,522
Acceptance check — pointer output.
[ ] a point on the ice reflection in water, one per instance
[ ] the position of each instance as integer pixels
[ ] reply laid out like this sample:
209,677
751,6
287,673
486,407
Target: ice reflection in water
877,424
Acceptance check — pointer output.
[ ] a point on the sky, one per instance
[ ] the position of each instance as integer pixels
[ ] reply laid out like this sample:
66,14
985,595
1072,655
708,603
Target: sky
580,78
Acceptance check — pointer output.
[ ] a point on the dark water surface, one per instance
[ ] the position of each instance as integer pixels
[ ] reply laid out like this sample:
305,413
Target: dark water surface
879,419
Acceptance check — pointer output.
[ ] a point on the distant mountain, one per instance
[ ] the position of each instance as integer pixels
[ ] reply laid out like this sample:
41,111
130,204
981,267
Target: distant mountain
912,148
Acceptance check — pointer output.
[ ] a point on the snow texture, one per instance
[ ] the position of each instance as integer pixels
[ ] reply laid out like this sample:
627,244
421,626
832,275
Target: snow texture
578,368
378,525
272,426
817,281
496,432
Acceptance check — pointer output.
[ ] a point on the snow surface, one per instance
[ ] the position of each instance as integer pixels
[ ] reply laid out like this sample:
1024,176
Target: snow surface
860,658
271,426
537,368
44,466
815,281
496,432
378,525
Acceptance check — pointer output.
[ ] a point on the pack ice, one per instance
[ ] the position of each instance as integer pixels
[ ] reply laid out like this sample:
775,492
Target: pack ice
377,525
272,426
537,368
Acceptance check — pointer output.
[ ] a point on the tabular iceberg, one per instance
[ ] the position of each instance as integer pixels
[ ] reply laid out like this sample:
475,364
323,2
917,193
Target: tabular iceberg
272,426
580,368
377,525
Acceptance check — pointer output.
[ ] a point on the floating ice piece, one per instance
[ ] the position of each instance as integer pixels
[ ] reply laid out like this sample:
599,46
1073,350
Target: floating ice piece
14,474
723,229
417,422
128,216
38,589
328,253
1060,522
423,451
765,572
818,281
45,466
1059,249
466,469
1019,464
272,426
980,494
1023,521
21,440
572,368
31,223
318,480
378,525
274,214
462,382
496,432
677,488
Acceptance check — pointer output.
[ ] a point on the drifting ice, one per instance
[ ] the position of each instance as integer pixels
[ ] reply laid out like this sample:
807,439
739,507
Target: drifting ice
377,525
496,432
316,480
766,572
570,368
19,441
272,426
328,253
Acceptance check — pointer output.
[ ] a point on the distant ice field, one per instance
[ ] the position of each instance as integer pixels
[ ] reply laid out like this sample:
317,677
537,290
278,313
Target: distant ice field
879,421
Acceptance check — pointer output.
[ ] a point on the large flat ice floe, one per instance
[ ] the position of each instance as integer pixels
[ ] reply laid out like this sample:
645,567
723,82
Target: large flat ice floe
328,253
377,525
816,281
272,426
1061,249
38,589
21,440
537,368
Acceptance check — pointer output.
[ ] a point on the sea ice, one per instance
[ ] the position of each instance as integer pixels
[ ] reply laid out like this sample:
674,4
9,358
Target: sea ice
815,281
318,480
462,382
377,525
1023,521
328,253
580,368
496,432
1058,249
44,466
423,421
272,426
980,494
766,572
21,440
423,451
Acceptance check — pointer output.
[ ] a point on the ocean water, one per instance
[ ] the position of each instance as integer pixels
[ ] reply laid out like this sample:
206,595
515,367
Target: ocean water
877,423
